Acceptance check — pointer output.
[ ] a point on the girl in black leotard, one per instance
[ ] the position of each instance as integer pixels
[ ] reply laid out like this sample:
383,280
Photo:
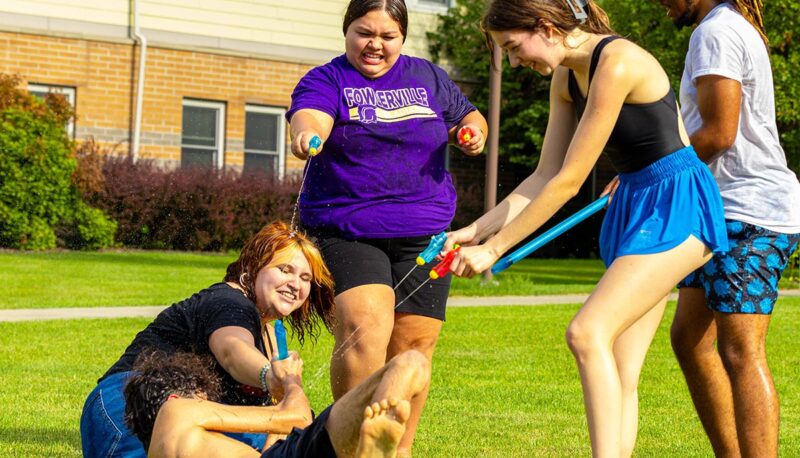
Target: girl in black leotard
666,216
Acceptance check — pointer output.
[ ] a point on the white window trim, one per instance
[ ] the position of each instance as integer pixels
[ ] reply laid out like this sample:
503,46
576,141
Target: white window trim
220,146
281,112
68,91
423,7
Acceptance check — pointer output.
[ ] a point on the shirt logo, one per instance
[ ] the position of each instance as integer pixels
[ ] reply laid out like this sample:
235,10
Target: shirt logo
370,106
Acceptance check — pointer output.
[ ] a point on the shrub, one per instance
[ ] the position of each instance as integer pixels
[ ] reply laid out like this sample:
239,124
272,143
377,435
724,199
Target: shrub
185,209
36,192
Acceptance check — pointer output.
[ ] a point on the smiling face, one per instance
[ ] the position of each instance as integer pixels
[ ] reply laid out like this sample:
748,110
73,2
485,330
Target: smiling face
534,50
373,43
684,13
282,288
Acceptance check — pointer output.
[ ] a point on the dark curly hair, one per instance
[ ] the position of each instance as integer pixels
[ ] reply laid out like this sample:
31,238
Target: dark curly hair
157,375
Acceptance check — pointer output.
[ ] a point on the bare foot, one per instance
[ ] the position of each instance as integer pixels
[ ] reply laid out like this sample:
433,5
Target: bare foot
383,426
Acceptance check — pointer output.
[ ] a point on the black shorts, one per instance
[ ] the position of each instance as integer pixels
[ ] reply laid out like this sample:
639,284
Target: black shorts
311,442
385,262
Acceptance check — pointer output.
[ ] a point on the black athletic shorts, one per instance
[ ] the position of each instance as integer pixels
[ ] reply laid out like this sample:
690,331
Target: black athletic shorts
385,261
311,442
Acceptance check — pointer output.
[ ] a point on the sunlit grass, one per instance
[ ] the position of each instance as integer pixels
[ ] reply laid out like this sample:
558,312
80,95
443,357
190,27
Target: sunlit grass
504,385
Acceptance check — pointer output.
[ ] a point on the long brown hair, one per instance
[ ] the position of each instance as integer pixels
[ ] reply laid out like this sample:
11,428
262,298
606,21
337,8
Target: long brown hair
271,246
751,10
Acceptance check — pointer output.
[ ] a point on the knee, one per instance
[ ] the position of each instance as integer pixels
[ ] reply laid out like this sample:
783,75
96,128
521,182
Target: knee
581,338
738,357
679,339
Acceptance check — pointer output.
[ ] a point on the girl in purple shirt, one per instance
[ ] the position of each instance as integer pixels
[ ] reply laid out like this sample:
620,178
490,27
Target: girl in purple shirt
378,189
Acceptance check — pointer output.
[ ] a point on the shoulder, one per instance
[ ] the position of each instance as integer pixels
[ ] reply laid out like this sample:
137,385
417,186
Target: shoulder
417,66
330,71
725,25
223,294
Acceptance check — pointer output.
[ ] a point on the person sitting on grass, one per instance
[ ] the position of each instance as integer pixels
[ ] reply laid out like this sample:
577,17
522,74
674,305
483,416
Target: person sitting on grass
172,406
279,274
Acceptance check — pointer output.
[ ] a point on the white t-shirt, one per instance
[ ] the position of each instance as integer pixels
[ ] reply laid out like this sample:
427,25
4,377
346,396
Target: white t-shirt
756,185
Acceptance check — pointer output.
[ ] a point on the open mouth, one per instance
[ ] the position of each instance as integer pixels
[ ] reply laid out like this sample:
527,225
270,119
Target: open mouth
289,295
371,58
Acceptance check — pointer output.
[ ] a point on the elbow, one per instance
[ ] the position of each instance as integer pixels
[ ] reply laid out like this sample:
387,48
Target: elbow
568,186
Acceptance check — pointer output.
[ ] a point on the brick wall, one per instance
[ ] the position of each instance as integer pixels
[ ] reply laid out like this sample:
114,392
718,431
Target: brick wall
104,75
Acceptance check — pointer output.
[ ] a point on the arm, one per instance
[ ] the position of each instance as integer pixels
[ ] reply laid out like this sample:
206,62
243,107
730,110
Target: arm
304,125
718,100
235,349
186,427
617,81
560,127
475,121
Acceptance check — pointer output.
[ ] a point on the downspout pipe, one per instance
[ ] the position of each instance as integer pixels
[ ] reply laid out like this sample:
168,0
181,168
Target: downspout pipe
141,40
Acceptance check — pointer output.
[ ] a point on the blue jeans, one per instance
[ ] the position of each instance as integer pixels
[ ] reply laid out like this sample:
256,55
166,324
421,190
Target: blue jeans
103,430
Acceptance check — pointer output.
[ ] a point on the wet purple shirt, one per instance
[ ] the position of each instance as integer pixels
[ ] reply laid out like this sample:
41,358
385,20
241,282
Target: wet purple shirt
382,171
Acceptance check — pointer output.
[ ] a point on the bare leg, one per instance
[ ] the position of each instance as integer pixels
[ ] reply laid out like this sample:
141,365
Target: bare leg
693,336
403,378
414,332
632,287
364,321
742,346
630,350
382,428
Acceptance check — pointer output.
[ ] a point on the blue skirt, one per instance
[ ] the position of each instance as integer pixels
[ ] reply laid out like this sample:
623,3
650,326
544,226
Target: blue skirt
658,207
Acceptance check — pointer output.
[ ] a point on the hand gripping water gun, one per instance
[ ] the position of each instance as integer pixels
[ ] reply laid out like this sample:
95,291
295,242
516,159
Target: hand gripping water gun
465,134
314,144
280,338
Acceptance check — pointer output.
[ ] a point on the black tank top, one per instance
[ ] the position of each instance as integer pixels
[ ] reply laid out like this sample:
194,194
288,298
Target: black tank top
644,132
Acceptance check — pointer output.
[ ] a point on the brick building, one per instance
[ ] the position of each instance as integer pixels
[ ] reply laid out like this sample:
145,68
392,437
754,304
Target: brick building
217,74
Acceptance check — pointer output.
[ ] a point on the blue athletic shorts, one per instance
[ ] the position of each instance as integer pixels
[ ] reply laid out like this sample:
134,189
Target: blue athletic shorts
745,279
658,207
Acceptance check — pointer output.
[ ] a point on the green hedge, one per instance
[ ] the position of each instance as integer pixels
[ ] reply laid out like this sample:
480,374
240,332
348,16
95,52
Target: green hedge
39,206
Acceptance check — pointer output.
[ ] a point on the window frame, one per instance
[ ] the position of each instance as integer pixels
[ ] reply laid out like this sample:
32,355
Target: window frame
219,152
281,133
425,7
71,92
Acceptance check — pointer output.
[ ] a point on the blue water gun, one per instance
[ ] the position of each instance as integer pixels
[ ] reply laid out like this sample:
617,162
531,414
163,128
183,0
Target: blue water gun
314,144
552,233
280,338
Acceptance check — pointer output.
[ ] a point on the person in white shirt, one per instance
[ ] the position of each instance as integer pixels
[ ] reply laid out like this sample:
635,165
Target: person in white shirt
727,103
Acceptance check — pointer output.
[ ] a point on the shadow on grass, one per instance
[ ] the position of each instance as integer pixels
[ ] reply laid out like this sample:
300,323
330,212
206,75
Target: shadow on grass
41,438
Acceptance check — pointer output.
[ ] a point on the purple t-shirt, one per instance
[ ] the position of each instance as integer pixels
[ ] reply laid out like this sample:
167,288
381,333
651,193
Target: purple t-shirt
382,171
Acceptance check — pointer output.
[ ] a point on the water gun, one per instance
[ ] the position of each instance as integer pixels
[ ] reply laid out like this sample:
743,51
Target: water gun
443,267
552,233
465,134
434,248
280,338
314,144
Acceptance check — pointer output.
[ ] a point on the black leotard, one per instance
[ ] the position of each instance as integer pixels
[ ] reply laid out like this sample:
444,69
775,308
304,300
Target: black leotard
644,132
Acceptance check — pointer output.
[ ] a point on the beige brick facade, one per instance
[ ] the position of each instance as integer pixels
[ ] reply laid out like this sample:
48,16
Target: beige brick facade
104,76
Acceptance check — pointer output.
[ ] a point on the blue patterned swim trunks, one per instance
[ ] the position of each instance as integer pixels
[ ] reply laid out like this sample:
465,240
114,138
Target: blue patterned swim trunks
745,278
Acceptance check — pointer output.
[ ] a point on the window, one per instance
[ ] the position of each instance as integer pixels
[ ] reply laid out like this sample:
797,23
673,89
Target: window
203,134
264,143
41,91
430,6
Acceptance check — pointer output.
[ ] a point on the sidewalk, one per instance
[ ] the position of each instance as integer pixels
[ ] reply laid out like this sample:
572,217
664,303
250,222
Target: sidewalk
149,311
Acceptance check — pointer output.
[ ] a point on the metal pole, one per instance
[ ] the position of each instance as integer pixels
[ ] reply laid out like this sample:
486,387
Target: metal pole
490,193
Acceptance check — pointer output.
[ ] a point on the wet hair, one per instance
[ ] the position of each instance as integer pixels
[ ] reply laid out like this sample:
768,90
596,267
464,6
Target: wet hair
157,375
751,10
530,15
274,245
396,9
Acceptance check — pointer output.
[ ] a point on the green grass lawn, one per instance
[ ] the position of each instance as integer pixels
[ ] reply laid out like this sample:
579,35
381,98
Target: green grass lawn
505,385
92,279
